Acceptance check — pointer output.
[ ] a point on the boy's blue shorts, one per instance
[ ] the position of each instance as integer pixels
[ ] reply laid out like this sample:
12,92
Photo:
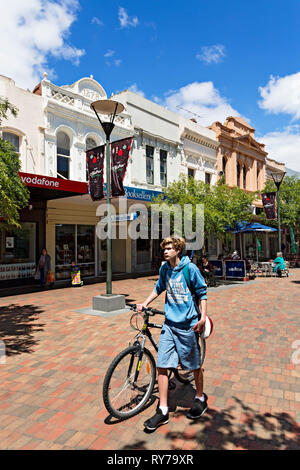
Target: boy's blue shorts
178,345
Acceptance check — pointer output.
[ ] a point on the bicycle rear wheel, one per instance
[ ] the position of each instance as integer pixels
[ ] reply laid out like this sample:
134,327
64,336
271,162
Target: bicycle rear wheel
122,396
187,376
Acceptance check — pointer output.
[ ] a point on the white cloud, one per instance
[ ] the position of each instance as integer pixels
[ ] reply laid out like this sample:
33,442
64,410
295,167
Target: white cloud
125,20
118,62
134,89
109,53
284,146
97,21
282,95
30,32
211,54
203,99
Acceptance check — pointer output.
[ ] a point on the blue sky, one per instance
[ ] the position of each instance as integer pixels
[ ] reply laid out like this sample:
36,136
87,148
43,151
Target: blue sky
214,59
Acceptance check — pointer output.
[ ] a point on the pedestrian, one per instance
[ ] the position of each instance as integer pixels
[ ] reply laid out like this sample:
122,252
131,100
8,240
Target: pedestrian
235,255
179,335
206,270
279,264
43,267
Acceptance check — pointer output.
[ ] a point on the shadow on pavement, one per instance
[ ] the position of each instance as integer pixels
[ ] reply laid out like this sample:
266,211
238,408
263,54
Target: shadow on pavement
17,327
237,426
220,429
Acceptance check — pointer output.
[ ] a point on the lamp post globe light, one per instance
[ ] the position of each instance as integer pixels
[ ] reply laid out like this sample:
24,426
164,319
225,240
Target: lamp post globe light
108,109
278,178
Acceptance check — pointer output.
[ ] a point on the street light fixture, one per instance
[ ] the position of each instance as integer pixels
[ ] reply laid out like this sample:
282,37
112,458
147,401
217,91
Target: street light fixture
110,109
278,178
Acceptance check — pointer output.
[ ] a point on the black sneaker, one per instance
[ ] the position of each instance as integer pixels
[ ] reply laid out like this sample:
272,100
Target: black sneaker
157,420
199,407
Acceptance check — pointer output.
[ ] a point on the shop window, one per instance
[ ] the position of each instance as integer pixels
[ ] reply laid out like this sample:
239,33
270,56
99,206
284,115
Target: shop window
163,167
143,248
150,164
63,155
14,139
18,252
74,244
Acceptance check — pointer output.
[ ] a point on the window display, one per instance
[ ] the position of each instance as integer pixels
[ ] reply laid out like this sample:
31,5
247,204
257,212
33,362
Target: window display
74,244
18,252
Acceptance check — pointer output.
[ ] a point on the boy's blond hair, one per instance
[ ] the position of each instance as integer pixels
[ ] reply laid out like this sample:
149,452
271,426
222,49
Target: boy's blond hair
178,243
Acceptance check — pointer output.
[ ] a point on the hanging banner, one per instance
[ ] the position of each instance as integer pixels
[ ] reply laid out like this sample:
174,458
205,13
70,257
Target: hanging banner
120,151
293,241
258,244
269,203
95,160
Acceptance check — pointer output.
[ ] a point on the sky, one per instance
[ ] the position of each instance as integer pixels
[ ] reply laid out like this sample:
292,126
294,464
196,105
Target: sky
206,60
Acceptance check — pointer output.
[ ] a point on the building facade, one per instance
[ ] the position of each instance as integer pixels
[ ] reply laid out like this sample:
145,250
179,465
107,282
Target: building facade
52,144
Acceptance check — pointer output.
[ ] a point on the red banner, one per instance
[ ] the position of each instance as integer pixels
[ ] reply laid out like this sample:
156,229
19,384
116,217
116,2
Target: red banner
269,203
95,160
47,182
120,151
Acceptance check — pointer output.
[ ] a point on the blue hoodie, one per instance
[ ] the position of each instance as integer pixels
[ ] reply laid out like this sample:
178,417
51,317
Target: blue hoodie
179,306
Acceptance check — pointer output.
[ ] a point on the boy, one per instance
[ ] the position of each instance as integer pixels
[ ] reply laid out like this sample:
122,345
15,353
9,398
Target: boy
178,339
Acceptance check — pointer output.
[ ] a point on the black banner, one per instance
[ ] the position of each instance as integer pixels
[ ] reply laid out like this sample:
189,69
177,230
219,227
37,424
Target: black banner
95,160
120,151
269,203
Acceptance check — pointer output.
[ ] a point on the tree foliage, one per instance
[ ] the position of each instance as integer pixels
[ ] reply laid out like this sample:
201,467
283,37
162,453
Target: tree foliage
223,206
289,202
13,193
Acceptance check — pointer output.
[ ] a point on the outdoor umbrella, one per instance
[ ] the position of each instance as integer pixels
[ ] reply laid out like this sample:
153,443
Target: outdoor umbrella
248,227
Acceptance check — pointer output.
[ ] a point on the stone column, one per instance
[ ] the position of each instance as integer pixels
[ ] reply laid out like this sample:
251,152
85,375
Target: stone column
232,171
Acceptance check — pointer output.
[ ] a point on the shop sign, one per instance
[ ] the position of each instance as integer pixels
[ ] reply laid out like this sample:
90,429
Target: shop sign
140,194
47,182
235,269
218,267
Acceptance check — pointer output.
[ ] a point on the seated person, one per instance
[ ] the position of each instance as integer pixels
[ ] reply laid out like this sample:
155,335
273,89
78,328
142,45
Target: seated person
279,264
235,255
206,270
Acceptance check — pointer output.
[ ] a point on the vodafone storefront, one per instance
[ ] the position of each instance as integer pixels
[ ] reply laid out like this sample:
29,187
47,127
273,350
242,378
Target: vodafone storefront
20,249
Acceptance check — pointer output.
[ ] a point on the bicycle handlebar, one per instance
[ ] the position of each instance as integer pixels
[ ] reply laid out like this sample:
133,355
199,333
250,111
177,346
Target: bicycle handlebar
148,310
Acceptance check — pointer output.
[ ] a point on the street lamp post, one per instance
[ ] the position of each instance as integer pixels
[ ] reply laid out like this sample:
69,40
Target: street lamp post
278,178
108,108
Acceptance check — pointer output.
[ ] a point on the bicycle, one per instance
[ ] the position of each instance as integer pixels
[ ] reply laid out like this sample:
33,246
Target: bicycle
131,377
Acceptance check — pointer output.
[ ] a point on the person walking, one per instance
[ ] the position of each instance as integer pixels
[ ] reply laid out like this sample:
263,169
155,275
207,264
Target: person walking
179,336
44,266
206,270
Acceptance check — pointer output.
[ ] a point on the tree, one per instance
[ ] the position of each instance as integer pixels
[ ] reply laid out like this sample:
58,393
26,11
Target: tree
289,204
223,206
13,193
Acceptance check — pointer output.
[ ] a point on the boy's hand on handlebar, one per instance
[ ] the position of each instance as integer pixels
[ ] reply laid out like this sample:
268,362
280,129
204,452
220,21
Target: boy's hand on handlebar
140,307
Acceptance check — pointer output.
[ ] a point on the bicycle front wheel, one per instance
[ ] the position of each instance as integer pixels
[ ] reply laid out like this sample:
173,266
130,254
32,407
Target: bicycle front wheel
187,376
122,395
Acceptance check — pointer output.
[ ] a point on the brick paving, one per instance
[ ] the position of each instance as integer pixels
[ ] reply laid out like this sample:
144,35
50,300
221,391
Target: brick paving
51,383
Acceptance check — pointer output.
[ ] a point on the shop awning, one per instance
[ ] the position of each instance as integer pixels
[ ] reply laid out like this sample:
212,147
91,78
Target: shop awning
47,188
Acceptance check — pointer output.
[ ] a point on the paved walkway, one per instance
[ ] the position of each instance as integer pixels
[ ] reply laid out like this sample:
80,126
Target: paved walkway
51,383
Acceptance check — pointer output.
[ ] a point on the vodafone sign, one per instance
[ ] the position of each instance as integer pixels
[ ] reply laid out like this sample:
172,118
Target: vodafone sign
46,182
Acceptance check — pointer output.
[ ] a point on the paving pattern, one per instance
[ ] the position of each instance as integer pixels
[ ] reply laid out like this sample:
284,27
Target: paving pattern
51,381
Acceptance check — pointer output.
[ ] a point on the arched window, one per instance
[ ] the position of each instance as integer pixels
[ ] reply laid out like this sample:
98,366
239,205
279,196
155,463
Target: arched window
63,155
245,169
258,178
224,163
89,145
238,175
14,139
